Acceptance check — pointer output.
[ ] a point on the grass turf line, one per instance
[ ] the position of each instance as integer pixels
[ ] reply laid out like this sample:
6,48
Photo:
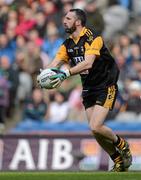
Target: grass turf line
70,176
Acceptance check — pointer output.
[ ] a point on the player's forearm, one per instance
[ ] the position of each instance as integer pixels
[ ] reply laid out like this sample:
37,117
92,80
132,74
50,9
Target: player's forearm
82,66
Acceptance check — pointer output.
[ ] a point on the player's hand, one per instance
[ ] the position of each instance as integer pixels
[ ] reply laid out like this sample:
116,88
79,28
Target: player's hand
60,76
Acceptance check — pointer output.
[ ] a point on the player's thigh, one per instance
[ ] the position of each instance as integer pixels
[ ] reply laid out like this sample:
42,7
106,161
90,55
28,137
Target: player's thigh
97,114
89,112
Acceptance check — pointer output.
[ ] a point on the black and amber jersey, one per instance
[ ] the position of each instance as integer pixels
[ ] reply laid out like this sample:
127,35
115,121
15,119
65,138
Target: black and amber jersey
104,71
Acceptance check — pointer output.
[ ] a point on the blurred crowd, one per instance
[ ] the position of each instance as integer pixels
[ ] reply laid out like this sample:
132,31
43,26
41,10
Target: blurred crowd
31,32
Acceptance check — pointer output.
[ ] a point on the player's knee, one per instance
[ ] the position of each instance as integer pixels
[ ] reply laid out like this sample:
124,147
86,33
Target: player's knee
95,128
95,133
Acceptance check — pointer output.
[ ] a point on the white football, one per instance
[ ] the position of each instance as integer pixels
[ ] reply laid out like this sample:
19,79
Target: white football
44,78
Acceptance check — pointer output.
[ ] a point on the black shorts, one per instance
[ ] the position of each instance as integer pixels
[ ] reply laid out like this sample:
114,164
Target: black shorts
104,97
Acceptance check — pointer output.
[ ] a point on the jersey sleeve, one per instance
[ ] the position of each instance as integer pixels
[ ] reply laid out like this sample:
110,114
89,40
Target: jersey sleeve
62,54
94,47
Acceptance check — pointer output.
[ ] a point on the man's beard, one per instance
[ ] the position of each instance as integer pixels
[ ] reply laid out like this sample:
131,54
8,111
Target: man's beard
70,30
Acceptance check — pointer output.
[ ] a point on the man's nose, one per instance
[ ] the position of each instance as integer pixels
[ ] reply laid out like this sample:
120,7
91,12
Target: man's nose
64,21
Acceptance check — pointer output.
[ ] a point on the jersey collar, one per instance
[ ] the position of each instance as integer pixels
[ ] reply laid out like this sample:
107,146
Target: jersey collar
83,31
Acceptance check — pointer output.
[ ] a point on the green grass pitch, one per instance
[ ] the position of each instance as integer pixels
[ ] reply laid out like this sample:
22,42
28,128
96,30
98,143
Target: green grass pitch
70,176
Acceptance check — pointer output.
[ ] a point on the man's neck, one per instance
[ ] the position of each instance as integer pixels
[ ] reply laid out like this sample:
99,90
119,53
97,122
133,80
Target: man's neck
76,33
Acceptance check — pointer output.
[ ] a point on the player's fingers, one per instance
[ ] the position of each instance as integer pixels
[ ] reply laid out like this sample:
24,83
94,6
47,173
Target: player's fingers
54,81
39,85
53,77
57,84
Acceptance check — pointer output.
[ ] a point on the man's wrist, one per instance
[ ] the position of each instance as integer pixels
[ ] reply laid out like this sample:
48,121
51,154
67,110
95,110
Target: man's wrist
67,72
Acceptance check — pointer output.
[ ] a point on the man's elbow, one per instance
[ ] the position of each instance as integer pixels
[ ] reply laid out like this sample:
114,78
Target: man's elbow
89,65
89,60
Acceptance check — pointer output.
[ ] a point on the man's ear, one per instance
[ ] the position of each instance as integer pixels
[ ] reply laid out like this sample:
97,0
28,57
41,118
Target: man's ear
78,22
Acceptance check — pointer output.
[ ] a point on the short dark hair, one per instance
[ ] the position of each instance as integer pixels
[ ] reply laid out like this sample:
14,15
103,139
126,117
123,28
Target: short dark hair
80,14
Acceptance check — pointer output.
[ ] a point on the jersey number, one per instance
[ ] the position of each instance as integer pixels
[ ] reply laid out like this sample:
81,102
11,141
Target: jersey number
78,60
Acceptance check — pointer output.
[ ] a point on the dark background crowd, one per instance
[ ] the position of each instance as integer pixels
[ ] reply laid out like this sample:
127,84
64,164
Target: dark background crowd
31,32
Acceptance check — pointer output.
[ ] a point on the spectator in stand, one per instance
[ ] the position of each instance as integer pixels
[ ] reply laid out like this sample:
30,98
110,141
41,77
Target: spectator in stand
26,24
94,17
13,78
137,38
35,107
58,109
4,97
35,6
33,36
25,79
32,60
41,24
20,44
135,53
115,48
51,11
51,43
76,111
12,15
4,10
11,35
121,61
6,49
133,102
133,73
134,99
10,27
12,19
124,43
